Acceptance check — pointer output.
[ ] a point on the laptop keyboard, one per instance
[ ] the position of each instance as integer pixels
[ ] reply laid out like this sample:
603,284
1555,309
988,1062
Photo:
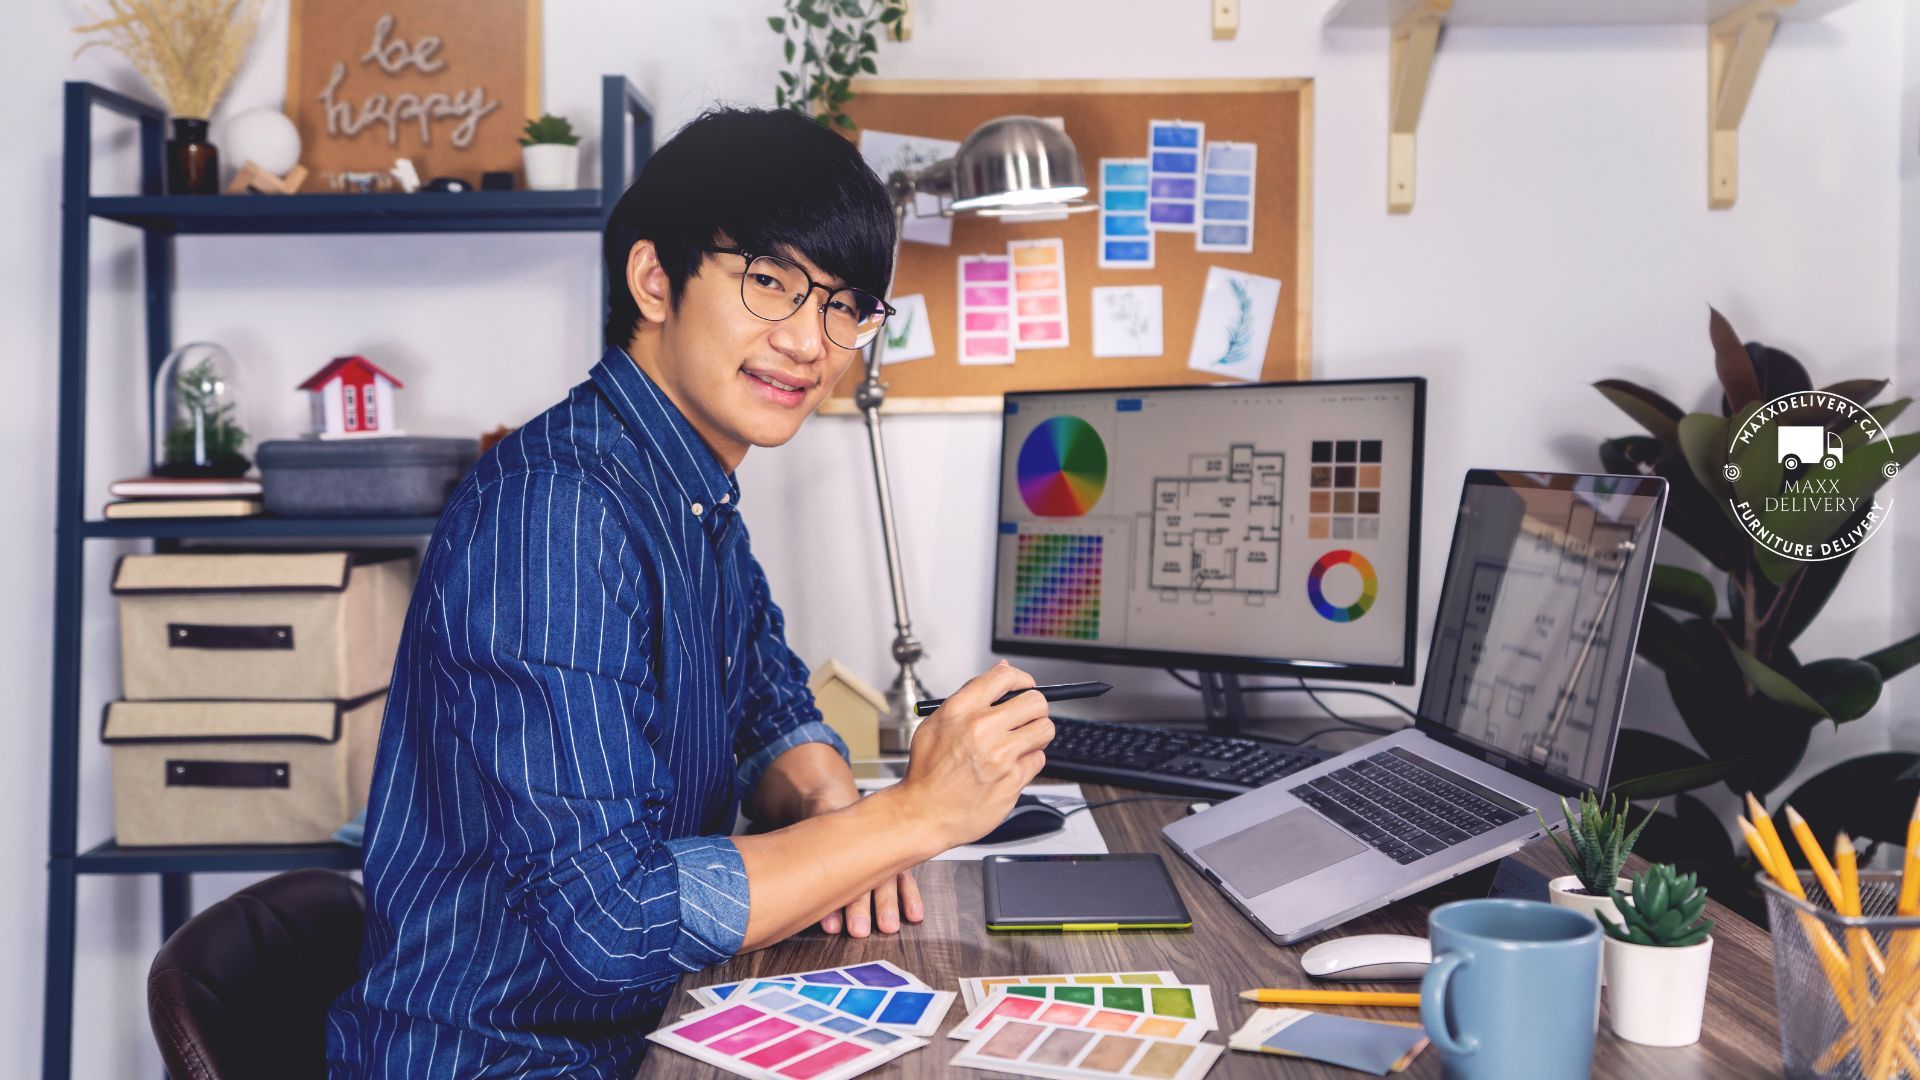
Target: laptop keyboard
1406,807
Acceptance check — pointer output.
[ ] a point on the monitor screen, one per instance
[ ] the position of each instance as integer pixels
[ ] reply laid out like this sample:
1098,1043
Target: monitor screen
1538,616
1265,528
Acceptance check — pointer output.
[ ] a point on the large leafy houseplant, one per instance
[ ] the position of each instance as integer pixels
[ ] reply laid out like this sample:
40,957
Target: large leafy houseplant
1727,647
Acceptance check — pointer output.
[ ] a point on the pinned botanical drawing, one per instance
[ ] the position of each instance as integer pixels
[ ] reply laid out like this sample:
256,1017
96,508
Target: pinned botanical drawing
1127,321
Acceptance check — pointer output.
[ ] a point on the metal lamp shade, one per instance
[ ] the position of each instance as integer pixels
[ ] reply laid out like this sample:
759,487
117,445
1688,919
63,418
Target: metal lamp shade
1017,162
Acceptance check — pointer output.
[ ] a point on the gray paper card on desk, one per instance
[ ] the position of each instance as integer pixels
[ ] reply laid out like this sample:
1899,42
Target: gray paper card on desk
1366,1045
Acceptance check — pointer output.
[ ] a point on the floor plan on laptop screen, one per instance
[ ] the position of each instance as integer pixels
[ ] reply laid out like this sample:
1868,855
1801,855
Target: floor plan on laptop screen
1536,628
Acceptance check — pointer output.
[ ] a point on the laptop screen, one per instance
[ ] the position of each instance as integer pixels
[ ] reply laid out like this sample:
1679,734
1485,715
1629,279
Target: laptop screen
1539,612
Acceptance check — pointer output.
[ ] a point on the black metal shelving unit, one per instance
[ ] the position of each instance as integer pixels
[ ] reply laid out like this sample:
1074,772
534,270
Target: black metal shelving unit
626,125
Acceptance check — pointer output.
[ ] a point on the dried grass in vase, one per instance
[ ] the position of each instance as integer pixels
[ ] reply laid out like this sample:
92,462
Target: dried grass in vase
186,50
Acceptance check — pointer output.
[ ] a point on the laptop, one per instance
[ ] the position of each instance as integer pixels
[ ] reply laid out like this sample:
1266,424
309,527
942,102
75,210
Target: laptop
1525,680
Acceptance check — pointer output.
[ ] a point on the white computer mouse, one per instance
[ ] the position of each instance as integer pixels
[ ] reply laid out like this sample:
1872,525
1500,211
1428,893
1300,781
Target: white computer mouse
1370,958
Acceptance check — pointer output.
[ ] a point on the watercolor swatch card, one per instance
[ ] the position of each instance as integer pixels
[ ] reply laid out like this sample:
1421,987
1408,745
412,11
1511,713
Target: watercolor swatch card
976,990
1236,315
1039,293
1126,243
887,151
1126,321
909,334
775,1035
1226,204
1175,1001
1367,1045
1174,168
1025,1048
1004,1005
879,973
915,1010
986,309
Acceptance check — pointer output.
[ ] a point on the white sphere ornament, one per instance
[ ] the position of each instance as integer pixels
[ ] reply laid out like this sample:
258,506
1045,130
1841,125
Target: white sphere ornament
265,137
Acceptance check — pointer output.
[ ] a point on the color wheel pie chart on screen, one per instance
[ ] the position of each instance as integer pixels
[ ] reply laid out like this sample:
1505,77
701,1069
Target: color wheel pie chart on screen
1369,583
1062,467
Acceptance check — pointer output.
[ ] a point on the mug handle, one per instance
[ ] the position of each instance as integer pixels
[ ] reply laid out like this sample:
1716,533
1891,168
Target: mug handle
1433,1007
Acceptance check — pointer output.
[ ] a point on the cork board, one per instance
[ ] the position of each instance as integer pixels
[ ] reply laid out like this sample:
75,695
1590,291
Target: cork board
1105,119
446,83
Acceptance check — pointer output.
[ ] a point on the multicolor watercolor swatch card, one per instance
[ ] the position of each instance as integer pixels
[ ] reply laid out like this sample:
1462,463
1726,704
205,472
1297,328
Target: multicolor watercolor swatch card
1174,170
1004,1005
1039,293
914,1010
1226,204
775,1035
1126,243
1175,1001
986,309
976,990
1026,1048
875,973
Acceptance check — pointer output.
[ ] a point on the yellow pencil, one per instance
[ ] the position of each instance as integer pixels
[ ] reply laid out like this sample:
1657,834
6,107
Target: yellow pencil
1385,998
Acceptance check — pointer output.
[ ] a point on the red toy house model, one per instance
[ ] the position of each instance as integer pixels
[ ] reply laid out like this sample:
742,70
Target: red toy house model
352,397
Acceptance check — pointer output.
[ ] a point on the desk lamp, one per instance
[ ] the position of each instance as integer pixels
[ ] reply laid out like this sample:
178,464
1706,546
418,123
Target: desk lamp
1012,167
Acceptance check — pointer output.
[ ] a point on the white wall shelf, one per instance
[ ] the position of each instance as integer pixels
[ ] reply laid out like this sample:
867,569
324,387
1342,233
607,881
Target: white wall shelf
1737,31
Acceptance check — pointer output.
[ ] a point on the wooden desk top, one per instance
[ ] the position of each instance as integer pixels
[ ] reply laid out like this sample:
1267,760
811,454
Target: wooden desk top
1739,1037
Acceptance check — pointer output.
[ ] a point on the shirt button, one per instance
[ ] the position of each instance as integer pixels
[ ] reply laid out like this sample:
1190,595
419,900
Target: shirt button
698,509
725,497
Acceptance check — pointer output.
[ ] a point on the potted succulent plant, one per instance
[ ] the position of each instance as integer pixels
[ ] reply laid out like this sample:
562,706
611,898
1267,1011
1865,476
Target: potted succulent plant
1600,844
550,151
1656,959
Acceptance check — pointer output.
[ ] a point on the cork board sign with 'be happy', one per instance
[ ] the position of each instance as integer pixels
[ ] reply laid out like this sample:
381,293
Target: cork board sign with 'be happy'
447,84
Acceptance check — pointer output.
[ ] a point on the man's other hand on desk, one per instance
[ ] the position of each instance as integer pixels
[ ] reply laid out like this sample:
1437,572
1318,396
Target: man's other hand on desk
847,862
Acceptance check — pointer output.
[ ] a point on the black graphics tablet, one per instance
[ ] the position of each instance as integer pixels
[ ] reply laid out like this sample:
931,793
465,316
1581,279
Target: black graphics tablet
1081,892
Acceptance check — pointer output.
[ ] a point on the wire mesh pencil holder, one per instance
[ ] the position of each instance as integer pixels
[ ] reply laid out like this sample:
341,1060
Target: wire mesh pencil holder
1839,1017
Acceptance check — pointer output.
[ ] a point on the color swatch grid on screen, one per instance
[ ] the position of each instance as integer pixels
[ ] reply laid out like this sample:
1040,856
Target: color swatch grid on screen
1062,468
1316,590
1343,501
1056,586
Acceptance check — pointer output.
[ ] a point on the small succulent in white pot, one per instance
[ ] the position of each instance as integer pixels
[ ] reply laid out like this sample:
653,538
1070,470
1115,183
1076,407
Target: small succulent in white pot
1656,959
550,153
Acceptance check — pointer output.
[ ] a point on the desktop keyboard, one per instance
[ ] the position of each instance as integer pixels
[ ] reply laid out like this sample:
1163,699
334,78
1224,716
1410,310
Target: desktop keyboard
1406,807
1175,762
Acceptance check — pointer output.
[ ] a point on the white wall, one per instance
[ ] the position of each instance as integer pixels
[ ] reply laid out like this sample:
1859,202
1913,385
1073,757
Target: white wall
1560,236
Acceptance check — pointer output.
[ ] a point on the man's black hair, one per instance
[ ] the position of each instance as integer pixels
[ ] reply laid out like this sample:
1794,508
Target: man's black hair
773,182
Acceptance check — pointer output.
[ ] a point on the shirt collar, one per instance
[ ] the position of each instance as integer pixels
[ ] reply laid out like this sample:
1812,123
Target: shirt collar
702,484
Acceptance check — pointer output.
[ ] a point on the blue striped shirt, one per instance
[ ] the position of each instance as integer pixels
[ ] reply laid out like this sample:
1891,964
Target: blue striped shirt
591,678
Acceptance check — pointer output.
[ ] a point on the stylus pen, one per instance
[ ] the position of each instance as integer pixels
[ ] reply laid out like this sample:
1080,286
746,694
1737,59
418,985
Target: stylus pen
1066,691
1384,998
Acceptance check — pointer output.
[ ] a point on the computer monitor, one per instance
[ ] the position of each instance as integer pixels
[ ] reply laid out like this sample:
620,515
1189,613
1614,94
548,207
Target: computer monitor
1267,528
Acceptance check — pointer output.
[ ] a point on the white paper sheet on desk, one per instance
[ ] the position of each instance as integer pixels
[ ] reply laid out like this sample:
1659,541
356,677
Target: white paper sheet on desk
1080,836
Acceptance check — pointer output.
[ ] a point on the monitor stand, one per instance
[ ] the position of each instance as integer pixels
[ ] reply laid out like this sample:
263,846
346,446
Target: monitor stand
1225,703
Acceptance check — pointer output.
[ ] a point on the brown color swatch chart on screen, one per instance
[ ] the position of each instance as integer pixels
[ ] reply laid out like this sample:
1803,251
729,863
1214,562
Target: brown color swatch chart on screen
1105,119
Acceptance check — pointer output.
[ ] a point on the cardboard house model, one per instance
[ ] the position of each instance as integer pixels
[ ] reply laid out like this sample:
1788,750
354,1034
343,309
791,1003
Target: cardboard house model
352,398
850,707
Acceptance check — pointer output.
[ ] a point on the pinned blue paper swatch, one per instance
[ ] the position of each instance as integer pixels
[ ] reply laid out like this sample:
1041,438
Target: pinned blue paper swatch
1126,237
1226,211
1174,170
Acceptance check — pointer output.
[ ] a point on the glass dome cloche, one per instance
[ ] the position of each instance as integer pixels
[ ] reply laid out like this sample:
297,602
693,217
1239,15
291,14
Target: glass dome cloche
200,414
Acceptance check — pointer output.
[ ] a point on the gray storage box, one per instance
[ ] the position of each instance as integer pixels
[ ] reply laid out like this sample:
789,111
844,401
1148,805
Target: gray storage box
320,625
239,772
390,477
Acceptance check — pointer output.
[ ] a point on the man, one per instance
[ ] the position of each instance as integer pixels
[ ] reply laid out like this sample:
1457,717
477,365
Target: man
593,676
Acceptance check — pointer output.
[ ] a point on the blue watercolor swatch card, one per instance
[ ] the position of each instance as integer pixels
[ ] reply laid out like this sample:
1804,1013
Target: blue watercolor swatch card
1126,242
1174,171
1226,202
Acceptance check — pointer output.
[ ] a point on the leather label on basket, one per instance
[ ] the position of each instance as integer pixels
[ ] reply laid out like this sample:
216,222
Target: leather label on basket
198,636
228,774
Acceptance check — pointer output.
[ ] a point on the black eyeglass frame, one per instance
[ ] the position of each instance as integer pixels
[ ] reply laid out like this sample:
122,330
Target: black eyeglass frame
750,256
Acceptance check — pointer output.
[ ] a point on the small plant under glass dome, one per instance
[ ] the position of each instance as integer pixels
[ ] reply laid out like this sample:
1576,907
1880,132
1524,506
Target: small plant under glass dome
199,418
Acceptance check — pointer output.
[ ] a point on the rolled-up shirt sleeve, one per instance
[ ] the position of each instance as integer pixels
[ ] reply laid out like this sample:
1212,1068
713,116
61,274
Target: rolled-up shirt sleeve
553,706
780,713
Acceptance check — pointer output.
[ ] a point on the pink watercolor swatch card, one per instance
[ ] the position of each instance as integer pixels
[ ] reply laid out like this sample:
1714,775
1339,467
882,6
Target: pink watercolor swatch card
776,1035
1039,293
986,309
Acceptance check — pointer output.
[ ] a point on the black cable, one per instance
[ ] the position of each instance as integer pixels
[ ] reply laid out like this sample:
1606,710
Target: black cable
1310,691
1333,730
1190,684
1131,798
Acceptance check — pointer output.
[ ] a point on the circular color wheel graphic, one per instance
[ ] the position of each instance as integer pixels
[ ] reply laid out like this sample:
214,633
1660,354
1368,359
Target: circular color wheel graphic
1369,586
1062,467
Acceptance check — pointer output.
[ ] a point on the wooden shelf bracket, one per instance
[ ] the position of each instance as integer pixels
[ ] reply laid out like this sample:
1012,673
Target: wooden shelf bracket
1735,44
1226,18
1415,35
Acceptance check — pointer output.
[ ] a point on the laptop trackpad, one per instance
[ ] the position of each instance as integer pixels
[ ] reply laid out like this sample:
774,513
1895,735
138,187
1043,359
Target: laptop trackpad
1272,853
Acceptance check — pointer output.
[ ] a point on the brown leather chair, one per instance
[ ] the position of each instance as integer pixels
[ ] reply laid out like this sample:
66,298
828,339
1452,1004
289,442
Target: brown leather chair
242,989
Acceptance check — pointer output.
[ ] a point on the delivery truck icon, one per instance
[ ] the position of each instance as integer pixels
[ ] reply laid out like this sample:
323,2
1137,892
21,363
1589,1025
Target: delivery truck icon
1804,444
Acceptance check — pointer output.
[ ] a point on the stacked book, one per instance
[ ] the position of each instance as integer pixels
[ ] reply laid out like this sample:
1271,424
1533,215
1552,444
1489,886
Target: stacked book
183,497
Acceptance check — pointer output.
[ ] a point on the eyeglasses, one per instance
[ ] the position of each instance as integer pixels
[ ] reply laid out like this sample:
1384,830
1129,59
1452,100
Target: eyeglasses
774,288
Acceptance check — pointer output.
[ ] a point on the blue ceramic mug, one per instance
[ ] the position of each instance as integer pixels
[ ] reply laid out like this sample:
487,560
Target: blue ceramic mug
1512,989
